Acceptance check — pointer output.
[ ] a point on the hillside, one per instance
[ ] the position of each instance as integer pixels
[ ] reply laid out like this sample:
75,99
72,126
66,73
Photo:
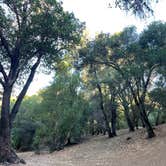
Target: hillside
101,151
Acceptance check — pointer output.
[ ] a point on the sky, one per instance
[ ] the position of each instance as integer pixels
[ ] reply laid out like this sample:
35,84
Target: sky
100,18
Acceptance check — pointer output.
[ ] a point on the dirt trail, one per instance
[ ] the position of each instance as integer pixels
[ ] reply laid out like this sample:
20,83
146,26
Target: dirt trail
101,151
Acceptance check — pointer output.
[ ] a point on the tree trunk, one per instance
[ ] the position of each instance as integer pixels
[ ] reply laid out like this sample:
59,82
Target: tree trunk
6,152
129,122
142,121
113,121
147,125
104,113
5,147
140,104
20,97
108,129
146,122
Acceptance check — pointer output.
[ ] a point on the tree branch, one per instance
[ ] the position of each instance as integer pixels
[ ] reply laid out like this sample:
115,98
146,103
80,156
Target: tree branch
17,104
146,83
17,15
110,63
5,43
2,83
3,72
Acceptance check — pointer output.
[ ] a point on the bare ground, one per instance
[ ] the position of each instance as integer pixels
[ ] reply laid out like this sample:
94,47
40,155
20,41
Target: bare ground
101,151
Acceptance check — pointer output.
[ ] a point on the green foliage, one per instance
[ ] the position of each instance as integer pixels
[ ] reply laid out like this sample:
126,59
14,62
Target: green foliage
26,124
125,65
22,135
121,121
65,109
159,95
57,116
127,62
39,25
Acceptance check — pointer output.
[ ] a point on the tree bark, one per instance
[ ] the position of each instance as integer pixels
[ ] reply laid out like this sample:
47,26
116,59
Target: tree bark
103,111
108,129
141,107
113,121
18,102
7,118
5,150
145,119
127,116
125,105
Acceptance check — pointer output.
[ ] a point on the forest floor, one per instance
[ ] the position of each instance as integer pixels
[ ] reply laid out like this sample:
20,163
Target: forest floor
101,151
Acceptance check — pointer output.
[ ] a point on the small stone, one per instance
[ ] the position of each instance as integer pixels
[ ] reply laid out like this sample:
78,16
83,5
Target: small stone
22,161
128,138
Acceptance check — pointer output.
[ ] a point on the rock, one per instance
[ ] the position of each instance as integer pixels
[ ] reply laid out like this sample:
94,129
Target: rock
22,161
128,138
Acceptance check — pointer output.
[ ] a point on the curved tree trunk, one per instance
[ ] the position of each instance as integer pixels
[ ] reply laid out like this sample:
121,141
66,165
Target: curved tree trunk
141,106
104,113
147,124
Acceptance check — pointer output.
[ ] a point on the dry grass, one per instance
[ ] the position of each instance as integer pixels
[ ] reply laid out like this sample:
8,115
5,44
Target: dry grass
101,151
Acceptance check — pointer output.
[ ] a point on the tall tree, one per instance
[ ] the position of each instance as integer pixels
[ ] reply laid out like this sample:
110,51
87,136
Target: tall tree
135,57
32,33
106,119
65,120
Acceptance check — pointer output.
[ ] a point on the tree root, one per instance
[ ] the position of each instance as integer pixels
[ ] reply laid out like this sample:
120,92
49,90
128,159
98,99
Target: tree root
13,159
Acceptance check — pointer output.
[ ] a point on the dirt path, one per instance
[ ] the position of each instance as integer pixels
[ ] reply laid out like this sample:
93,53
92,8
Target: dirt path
101,151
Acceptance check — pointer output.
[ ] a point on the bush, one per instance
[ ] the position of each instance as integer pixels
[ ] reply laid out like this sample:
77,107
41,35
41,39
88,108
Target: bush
23,134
